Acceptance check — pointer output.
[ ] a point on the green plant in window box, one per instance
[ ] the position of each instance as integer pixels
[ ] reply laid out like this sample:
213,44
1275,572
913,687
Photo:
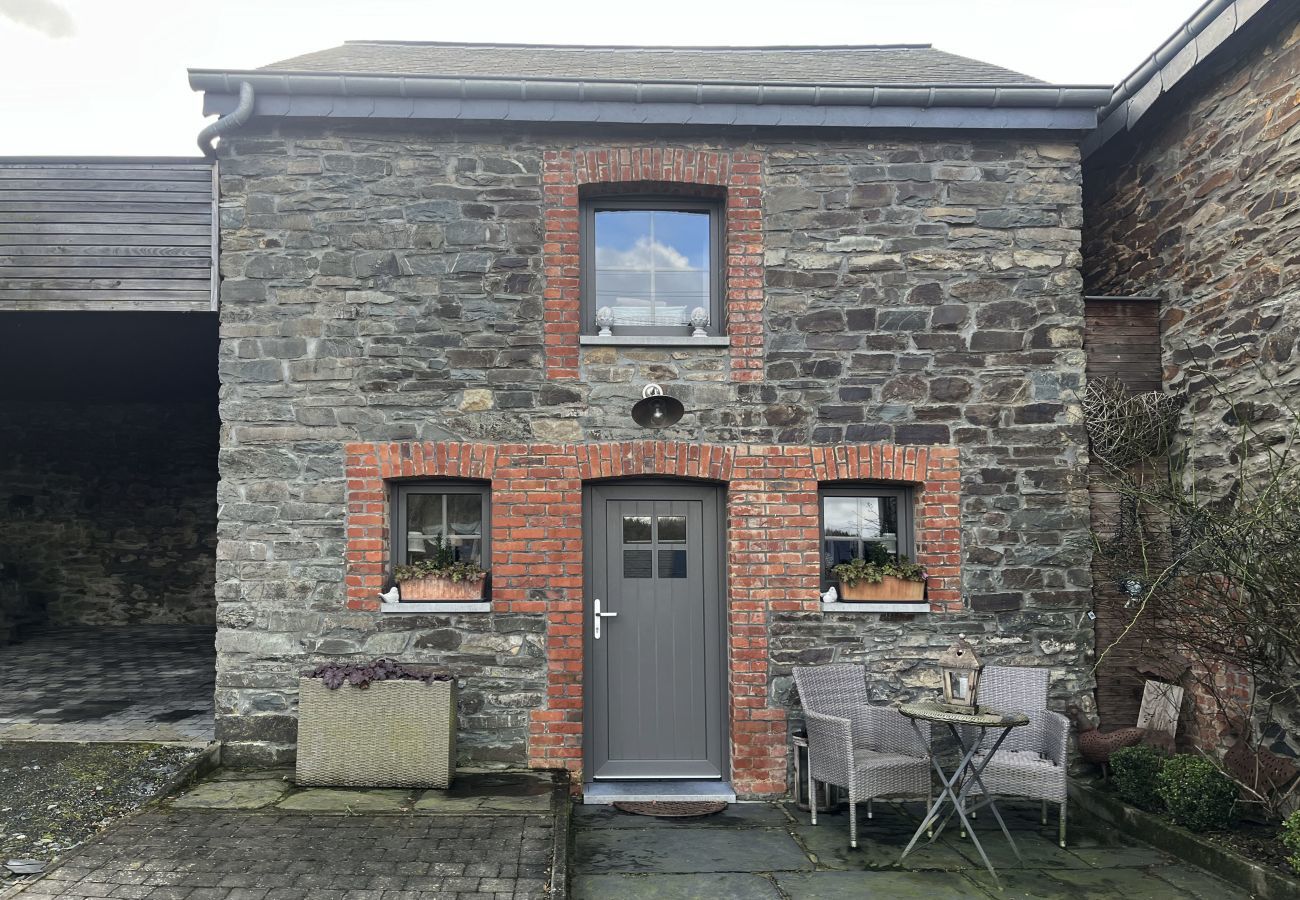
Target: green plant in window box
440,576
880,577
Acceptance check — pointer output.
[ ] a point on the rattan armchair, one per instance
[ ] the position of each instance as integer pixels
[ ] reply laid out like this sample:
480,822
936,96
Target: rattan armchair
1032,760
869,751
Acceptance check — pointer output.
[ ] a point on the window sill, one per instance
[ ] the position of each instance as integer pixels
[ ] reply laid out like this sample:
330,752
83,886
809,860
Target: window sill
653,340
435,606
921,606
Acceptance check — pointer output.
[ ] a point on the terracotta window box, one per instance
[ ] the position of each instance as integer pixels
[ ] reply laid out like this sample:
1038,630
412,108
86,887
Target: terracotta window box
889,590
433,589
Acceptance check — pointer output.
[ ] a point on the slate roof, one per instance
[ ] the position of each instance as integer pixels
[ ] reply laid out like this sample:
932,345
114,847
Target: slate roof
895,64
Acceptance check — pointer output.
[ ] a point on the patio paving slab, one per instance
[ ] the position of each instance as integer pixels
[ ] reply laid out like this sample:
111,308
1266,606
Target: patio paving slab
331,800
671,887
878,848
1109,884
252,793
685,850
738,853
879,886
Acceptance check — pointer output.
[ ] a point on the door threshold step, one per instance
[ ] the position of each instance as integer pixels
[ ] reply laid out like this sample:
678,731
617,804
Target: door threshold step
595,793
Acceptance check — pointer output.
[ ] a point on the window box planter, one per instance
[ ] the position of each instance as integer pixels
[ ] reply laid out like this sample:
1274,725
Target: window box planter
433,588
397,733
890,589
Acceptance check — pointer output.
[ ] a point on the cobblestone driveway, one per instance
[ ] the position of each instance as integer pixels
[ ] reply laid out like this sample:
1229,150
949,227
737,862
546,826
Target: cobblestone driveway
145,683
253,836
203,855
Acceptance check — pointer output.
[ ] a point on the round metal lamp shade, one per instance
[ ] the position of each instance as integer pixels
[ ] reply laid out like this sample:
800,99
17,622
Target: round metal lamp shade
657,411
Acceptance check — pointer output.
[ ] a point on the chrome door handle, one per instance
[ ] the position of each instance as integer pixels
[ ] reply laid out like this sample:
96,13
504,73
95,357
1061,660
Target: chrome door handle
596,617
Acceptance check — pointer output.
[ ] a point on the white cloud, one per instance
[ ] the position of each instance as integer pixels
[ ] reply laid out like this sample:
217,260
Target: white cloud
643,254
45,16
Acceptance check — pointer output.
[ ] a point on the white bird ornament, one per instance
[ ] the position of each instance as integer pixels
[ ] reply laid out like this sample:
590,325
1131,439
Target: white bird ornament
830,595
392,595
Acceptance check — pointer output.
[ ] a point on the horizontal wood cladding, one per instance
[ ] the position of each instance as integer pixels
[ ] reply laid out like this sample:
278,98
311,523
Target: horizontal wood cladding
107,234
1122,340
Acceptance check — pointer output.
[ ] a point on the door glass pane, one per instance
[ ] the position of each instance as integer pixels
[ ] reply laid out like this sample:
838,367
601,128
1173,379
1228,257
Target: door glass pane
672,529
636,529
636,563
652,266
672,563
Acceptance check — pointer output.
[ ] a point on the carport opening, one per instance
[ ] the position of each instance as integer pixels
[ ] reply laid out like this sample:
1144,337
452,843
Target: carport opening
108,482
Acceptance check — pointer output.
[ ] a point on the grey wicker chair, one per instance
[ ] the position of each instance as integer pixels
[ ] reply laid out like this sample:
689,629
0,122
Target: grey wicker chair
870,751
1032,760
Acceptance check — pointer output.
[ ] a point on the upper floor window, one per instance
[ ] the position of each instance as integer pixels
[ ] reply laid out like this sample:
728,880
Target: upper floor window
455,512
854,517
651,266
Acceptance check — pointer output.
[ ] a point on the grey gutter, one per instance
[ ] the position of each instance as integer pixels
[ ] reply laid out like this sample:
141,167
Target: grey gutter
348,95
923,96
1203,33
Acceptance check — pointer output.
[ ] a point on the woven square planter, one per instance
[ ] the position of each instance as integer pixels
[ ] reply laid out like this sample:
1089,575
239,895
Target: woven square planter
390,734
887,590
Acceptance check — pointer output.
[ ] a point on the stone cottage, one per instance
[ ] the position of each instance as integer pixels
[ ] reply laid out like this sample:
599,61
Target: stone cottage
449,271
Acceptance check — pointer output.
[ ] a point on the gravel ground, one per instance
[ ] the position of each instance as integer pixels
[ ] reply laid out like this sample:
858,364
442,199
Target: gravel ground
54,796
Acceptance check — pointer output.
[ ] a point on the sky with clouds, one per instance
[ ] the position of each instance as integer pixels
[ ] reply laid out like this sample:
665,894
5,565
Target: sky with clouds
98,77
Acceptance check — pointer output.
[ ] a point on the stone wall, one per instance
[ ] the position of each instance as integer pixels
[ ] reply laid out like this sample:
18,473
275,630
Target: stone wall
1198,208
390,287
107,513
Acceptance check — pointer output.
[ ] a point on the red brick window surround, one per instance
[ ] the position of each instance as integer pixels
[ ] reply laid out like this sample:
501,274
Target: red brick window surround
772,558
568,173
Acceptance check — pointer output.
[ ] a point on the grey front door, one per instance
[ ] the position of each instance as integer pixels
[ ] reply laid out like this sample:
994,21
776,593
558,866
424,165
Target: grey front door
654,674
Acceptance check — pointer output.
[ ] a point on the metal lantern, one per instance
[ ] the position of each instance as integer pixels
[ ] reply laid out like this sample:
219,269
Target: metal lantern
656,409
960,670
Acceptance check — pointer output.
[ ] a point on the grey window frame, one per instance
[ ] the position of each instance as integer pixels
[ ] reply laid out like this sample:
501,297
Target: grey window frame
589,206
904,494
401,493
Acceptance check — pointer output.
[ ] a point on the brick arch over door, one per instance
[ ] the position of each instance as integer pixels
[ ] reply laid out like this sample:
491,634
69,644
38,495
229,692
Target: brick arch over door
772,553
565,173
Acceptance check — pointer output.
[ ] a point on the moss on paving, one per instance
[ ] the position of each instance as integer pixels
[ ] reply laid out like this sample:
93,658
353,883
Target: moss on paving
54,796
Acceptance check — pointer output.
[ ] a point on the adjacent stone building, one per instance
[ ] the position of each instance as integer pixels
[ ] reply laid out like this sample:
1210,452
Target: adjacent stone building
1190,201
893,316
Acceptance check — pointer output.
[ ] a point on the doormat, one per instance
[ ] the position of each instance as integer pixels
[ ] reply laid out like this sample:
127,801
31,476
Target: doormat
673,808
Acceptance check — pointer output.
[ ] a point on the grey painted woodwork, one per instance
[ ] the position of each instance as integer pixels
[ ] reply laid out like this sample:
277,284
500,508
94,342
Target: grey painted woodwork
655,703
108,234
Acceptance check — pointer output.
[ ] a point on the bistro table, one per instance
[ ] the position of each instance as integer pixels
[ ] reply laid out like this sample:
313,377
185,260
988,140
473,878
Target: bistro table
967,773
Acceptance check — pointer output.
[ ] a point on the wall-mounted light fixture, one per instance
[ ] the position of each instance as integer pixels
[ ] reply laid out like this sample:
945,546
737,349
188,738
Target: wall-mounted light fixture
655,409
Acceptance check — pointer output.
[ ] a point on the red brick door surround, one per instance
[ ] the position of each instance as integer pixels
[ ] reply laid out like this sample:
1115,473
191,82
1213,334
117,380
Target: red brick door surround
772,553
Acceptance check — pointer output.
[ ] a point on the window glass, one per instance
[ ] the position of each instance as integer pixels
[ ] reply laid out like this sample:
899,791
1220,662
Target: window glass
456,518
852,524
651,266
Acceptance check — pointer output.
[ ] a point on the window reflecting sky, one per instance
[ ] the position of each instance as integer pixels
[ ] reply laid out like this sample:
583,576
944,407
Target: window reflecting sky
652,265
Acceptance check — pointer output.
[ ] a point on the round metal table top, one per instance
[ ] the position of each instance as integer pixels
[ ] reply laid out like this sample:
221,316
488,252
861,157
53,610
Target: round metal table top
930,711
